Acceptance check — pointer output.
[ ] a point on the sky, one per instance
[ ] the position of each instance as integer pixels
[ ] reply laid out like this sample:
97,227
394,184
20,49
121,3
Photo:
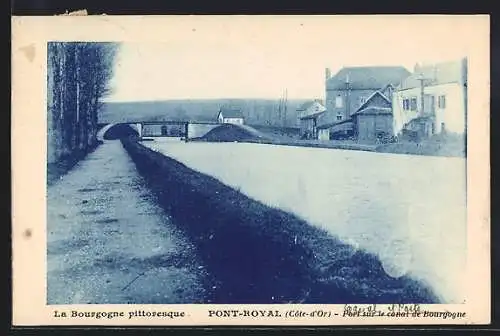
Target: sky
261,57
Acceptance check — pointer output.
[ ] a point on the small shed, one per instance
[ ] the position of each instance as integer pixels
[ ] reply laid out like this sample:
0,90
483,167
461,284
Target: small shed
374,118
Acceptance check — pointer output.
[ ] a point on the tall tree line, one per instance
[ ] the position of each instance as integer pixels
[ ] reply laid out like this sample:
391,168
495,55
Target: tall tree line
78,76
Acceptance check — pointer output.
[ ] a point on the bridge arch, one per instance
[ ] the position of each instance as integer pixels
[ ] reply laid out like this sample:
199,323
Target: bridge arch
116,131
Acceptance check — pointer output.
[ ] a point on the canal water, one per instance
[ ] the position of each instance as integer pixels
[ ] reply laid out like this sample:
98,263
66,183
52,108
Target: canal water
409,210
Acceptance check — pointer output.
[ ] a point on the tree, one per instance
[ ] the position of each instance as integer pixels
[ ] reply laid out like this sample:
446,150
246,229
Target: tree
78,78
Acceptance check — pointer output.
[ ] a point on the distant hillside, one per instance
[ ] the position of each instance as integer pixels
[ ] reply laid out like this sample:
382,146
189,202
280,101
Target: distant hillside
256,111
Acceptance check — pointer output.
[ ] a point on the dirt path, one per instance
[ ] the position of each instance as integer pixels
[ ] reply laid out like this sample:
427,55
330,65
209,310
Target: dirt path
108,241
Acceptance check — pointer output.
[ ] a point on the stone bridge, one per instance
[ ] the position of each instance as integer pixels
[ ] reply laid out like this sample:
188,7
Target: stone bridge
146,129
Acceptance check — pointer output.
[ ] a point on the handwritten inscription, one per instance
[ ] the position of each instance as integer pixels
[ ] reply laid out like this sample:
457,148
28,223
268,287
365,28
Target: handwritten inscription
398,311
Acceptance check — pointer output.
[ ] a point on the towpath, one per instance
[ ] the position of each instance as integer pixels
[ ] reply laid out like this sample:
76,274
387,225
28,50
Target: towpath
108,241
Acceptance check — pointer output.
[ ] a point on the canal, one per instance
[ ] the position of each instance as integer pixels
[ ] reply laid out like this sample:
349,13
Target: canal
408,210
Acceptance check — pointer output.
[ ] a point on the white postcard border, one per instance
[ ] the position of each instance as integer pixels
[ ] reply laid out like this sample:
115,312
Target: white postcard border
29,38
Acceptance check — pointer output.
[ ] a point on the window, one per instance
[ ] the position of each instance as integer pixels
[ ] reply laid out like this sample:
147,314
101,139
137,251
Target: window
406,104
339,116
442,101
413,104
338,102
362,100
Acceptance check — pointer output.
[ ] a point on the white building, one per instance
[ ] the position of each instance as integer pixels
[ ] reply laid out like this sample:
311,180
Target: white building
230,116
444,100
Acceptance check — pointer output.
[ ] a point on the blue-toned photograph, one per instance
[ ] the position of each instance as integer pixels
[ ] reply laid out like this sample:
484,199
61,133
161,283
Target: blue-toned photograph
246,170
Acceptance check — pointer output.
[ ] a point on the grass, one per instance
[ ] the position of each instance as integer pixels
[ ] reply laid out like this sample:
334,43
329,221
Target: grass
61,167
260,254
232,133
435,146
285,133
438,145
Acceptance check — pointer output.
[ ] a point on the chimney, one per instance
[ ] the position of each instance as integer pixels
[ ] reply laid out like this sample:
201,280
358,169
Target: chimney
464,70
328,74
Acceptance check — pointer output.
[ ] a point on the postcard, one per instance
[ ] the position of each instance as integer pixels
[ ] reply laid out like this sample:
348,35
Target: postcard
250,170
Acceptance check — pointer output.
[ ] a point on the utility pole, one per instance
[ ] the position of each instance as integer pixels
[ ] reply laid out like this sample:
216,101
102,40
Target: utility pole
421,78
279,112
285,107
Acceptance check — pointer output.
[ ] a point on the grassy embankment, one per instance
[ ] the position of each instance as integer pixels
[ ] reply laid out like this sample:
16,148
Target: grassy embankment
231,133
438,145
260,254
56,170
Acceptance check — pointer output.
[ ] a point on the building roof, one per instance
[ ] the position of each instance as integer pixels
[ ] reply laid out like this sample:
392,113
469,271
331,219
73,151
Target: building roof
435,74
374,110
347,122
304,107
312,115
377,100
231,112
386,101
308,104
366,78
